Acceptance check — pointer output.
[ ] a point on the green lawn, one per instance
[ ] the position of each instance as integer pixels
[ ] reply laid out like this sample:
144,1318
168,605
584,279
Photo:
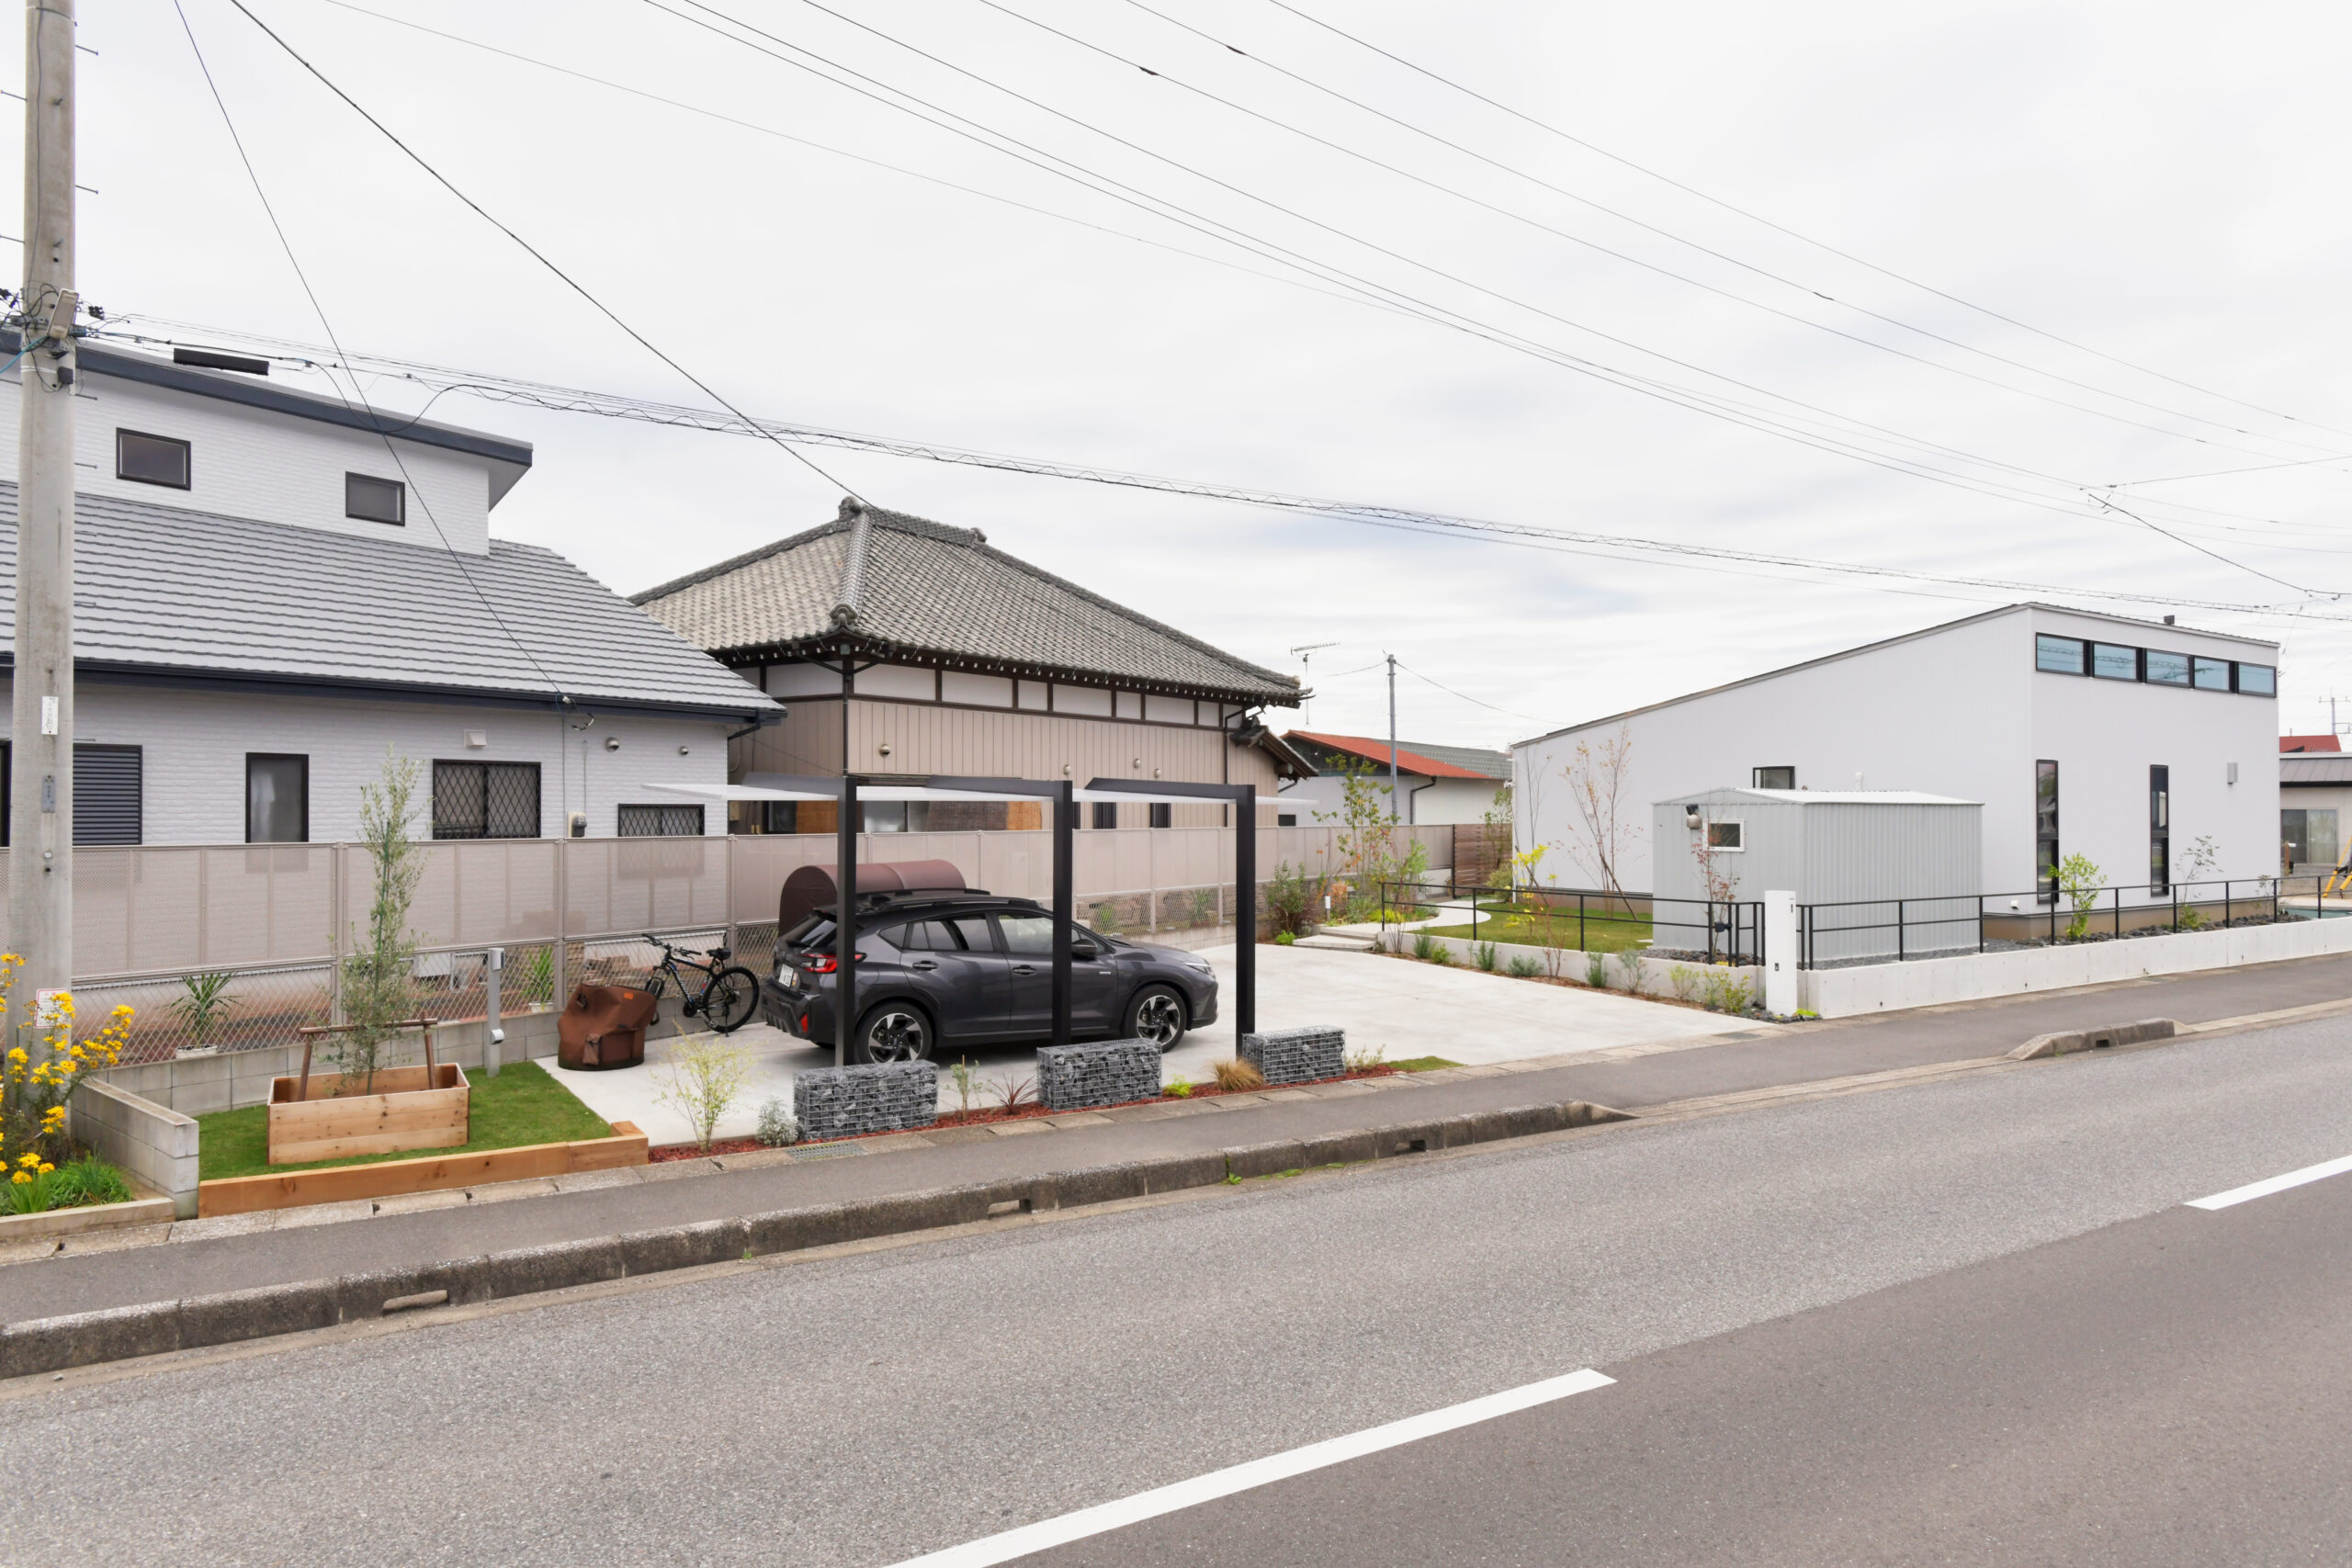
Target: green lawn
1603,932
521,1105
1422,1064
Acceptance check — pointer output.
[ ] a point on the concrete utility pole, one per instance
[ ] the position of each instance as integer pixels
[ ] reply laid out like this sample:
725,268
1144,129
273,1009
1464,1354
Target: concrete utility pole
41,808
1391,741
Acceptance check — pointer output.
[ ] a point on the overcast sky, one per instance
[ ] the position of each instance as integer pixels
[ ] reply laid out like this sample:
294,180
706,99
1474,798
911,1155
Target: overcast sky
2158,183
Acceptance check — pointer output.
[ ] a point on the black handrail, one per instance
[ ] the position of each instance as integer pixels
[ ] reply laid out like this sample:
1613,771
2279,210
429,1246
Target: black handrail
2174,904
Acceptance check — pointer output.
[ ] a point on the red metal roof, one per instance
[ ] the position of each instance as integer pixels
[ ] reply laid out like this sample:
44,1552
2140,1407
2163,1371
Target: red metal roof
2291,743
1377,751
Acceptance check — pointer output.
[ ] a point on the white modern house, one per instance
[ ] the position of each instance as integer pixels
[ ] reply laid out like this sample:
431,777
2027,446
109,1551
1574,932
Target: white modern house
2149,748
269,595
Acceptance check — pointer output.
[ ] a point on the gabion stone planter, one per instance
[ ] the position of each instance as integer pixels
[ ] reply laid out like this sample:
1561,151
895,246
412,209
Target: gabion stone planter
889,1096
1297,1055
1110,1072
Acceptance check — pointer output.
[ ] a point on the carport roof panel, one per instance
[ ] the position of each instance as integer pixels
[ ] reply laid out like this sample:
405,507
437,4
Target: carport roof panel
906,587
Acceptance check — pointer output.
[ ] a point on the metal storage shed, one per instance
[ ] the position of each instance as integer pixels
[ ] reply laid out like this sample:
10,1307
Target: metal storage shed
1850,854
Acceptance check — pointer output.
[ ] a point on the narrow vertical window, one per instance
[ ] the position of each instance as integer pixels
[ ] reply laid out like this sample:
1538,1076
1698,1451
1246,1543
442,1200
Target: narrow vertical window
2159,829
2045,830
1163,814
1106,814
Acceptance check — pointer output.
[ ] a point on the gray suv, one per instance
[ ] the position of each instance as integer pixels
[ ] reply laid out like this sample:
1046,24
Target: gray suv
940,970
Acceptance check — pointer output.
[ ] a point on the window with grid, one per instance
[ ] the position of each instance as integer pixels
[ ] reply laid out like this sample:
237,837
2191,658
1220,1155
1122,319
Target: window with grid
661,821
485,800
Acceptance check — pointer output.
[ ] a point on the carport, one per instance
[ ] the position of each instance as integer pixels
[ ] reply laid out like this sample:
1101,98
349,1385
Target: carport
849,792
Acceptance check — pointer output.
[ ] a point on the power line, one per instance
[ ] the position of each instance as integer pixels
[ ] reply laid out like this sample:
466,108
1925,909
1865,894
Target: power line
319,309
1782,228
1446,525
842,153
1507,713
607,311
1701,283
1712,405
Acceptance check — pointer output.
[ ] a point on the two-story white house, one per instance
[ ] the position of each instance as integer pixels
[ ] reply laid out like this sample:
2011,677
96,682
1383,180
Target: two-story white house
269,593
2148,748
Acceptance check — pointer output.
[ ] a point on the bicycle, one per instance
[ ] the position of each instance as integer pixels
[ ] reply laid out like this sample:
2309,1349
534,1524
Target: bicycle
728,994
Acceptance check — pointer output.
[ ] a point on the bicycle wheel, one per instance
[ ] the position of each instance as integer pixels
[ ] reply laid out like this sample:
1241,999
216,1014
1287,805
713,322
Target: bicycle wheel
732,997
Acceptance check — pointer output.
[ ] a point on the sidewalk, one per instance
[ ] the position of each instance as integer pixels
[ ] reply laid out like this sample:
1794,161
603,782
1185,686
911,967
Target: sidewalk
206,1256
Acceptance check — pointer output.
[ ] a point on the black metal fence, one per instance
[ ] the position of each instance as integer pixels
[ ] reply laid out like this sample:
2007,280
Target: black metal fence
1877,929
1723,931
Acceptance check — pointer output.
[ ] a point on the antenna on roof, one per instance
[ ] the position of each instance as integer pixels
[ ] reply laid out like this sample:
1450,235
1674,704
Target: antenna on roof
1306,651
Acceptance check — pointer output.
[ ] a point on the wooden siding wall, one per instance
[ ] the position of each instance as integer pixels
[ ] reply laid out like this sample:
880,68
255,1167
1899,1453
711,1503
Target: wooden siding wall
931,739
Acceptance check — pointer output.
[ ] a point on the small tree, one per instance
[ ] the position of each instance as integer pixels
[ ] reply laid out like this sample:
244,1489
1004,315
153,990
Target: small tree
1496,819
2083,881
1602,833
1367,837
701,1082
379,979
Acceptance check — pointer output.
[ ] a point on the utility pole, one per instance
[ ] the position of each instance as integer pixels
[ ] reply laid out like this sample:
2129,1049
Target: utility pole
1303,653
1391,741
41,808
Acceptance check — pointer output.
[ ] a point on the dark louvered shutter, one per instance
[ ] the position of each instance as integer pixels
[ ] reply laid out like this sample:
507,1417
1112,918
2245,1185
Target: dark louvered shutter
105,794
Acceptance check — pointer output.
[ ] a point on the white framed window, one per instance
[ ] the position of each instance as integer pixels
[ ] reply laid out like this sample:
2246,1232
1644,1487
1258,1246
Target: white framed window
1726,836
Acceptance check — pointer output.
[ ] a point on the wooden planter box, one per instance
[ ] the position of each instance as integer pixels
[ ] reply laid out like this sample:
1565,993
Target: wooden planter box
395,1178
412,1107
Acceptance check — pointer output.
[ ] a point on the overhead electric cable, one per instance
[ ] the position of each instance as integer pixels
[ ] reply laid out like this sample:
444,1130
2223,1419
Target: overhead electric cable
534,251
1595,246
755,127
611,405
1599,150
1507,713
1666,391
320,310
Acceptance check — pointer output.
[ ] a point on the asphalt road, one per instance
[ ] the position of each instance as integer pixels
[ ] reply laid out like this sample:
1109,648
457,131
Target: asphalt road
1964,1322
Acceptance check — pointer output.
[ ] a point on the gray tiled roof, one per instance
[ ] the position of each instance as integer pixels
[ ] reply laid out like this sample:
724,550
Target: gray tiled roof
184,594
910,588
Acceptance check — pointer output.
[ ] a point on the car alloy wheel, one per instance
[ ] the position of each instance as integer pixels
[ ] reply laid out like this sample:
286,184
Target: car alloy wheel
1158,1016
894,1033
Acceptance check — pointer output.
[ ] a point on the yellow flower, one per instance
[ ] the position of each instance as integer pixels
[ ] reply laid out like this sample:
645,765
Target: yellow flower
29,1159
22,1178
46,1168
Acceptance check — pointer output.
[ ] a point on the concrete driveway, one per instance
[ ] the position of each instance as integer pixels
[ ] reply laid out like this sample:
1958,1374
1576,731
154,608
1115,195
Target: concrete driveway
1394,1006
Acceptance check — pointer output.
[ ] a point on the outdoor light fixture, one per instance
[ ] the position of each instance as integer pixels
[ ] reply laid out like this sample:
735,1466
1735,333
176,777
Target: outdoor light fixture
612,742
886,748
683,751
1690,818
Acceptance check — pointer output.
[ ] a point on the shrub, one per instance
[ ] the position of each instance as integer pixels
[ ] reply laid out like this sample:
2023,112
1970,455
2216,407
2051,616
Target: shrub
1106,918
380,979
1290,898
1365,1061
1015,1094
1525,968
1629,965
1685,981
36,1078
1238,1074
1179,1088
1205,903
206,1003
1484,955
1285,939
1596,970
1426,947
700,1081
777,1125
964,1080
1727,992
88,1180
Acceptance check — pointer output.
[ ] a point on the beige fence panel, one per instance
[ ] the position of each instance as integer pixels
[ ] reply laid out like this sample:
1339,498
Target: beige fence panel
644,884
491,891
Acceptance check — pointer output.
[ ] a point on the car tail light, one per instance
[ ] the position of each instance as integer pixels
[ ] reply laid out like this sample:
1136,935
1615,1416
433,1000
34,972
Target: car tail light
823,963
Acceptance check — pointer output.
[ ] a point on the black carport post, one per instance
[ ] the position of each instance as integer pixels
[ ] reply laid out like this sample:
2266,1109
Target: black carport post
845,926
1243,799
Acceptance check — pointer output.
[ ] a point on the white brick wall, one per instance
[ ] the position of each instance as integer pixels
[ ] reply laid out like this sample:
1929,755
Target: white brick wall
195,745
249,462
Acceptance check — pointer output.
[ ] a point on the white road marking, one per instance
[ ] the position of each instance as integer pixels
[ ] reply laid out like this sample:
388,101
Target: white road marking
1106,1516
2276,1184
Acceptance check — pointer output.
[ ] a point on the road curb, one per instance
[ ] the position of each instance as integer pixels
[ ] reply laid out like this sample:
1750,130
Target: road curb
2067,1042
79,1340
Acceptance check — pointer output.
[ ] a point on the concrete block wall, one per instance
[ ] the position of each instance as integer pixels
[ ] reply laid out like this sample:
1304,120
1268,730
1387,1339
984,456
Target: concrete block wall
1296,1055
1108,1072
888,1097
153,1143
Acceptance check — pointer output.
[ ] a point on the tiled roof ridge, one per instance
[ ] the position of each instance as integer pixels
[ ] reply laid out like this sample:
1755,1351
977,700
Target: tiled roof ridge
854,566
